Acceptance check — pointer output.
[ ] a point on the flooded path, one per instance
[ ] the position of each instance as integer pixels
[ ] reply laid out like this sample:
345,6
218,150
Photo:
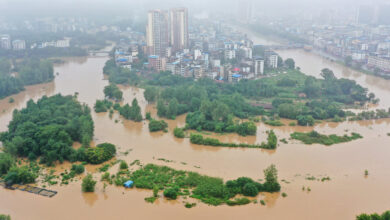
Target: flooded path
347,194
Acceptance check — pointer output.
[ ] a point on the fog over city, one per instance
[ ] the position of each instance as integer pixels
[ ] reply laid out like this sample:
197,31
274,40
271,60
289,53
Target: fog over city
128,7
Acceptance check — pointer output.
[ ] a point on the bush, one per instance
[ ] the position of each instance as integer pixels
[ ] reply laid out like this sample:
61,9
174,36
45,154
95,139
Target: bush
238,201
88,184
179,132
20,175
250,189
171,193
155,125
78,169
101,153
123,165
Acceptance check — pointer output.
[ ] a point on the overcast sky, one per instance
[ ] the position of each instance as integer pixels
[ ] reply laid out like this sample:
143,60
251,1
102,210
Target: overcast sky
24,8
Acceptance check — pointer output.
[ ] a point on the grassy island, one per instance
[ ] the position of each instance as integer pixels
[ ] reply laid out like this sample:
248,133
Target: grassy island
317,138
209,190
272,142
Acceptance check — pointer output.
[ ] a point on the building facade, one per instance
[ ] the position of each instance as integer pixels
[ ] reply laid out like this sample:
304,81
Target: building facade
179,28
157,33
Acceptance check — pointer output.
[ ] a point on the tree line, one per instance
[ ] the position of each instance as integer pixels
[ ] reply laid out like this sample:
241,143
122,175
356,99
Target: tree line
29,72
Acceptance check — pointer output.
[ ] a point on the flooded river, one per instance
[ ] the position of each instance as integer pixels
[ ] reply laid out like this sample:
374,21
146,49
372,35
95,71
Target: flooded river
347,194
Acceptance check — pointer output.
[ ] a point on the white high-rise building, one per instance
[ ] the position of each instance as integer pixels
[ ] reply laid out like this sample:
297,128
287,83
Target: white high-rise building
19,45
5,42
179,28
157,32
259,66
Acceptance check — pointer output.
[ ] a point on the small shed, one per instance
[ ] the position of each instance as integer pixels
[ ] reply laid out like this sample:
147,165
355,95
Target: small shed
128,184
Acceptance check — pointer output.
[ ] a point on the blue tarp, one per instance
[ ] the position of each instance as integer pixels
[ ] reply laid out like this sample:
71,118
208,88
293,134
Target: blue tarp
128,184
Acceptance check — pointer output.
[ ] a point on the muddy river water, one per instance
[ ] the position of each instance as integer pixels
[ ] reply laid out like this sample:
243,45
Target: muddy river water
347,194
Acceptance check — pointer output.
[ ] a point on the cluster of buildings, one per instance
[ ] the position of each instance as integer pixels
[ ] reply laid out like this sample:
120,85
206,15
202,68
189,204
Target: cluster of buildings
204,49
7,44
362,40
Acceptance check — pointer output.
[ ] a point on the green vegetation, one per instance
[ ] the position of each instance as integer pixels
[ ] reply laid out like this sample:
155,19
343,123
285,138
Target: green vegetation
5,217
30,72
101,153
48,128
179,132
119,75
131,113
214,106
317,138
238,201
284,194
375,216
113,92
20,175
370,115
155,125
189,205
275,123
200,140
78,169
6,162
88,184
209,190
102,106
123,165
11,100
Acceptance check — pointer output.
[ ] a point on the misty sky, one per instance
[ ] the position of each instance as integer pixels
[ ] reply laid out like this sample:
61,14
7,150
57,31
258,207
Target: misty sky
22,8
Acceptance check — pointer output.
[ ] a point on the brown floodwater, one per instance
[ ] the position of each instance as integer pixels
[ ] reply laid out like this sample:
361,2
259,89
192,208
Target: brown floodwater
347,194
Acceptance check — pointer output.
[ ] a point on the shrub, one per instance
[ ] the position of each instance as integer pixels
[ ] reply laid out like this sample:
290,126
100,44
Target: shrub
171,193
100,153
88,184
189,205
123,165
78,169
238,201
155,125
250,189
20,175
179,132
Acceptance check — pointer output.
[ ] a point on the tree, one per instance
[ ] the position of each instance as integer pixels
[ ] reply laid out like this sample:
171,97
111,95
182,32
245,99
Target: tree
271,174
150,94
172,108
135,111
155,125
280,61
250,189
179,132
272,140
348,60
113,92
328,74
161,108
78,169
6,162
88,184
290,63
